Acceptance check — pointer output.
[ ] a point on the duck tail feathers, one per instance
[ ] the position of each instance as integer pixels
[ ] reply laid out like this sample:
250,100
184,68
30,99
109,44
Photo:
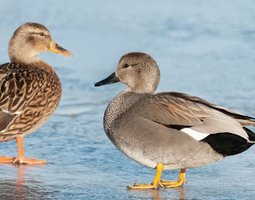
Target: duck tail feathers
251,135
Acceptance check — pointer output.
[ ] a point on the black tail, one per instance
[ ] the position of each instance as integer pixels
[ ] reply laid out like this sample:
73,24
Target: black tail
228,144
250,134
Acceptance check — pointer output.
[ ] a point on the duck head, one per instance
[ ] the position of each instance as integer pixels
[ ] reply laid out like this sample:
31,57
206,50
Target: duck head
29,40
138,71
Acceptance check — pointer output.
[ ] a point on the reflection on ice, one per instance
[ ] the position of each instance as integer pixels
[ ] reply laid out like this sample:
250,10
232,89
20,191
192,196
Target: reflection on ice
22,188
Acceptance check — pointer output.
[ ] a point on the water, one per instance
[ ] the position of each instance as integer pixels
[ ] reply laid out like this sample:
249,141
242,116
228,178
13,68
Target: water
204,48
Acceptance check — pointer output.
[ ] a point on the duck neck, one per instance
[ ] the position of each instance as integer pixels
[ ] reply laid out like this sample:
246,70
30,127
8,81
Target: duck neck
140,89
28,58
24,59
24,55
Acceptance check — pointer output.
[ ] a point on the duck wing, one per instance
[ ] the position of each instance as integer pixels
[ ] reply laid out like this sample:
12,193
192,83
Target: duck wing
194,116
202,121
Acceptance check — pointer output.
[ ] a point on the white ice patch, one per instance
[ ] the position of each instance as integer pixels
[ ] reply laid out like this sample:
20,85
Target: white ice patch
194,134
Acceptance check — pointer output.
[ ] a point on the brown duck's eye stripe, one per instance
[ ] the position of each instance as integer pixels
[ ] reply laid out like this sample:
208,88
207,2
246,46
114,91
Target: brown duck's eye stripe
126,66
130,65
36,33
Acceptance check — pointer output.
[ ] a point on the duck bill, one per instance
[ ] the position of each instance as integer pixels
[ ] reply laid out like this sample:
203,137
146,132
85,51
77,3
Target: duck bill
109,80
55,48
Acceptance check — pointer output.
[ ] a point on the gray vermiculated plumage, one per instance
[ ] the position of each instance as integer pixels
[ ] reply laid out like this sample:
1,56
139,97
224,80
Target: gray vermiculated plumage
149,128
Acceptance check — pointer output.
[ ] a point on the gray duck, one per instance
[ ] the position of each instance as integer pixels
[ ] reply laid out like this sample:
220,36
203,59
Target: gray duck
169,130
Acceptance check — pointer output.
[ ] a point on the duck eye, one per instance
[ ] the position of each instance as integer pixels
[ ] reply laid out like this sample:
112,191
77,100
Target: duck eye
41,34
126,66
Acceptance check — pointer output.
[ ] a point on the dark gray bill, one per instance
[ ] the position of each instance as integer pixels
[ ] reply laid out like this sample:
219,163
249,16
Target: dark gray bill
109,80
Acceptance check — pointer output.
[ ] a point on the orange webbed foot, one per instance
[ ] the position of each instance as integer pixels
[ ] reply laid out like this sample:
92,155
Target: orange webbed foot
6,159
28,161
20,161
180,182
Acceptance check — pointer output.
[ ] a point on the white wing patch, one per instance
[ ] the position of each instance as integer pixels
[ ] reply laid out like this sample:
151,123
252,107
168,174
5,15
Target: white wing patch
195,134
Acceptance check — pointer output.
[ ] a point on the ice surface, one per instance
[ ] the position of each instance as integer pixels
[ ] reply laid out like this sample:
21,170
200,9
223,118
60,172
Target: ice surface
205,48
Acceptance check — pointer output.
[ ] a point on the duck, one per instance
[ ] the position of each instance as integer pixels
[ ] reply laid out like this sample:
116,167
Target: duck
30,89
169,130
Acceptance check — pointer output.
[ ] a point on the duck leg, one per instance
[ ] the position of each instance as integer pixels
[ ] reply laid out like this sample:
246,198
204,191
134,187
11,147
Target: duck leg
20,159
181,180
156,182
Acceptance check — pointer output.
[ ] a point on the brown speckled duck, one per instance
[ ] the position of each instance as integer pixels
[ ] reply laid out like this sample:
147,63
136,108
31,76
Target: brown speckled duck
30,89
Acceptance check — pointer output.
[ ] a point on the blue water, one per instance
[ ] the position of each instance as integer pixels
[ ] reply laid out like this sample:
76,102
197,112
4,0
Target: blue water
205,48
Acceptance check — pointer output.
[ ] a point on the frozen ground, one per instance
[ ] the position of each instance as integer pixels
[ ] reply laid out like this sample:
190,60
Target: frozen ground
206,48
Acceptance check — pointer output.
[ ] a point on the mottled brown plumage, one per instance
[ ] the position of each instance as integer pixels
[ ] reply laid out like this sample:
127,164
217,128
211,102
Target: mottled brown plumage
30,89
29,95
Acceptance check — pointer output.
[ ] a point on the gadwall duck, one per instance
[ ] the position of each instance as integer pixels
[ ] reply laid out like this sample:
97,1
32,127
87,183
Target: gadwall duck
169,130
30,88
